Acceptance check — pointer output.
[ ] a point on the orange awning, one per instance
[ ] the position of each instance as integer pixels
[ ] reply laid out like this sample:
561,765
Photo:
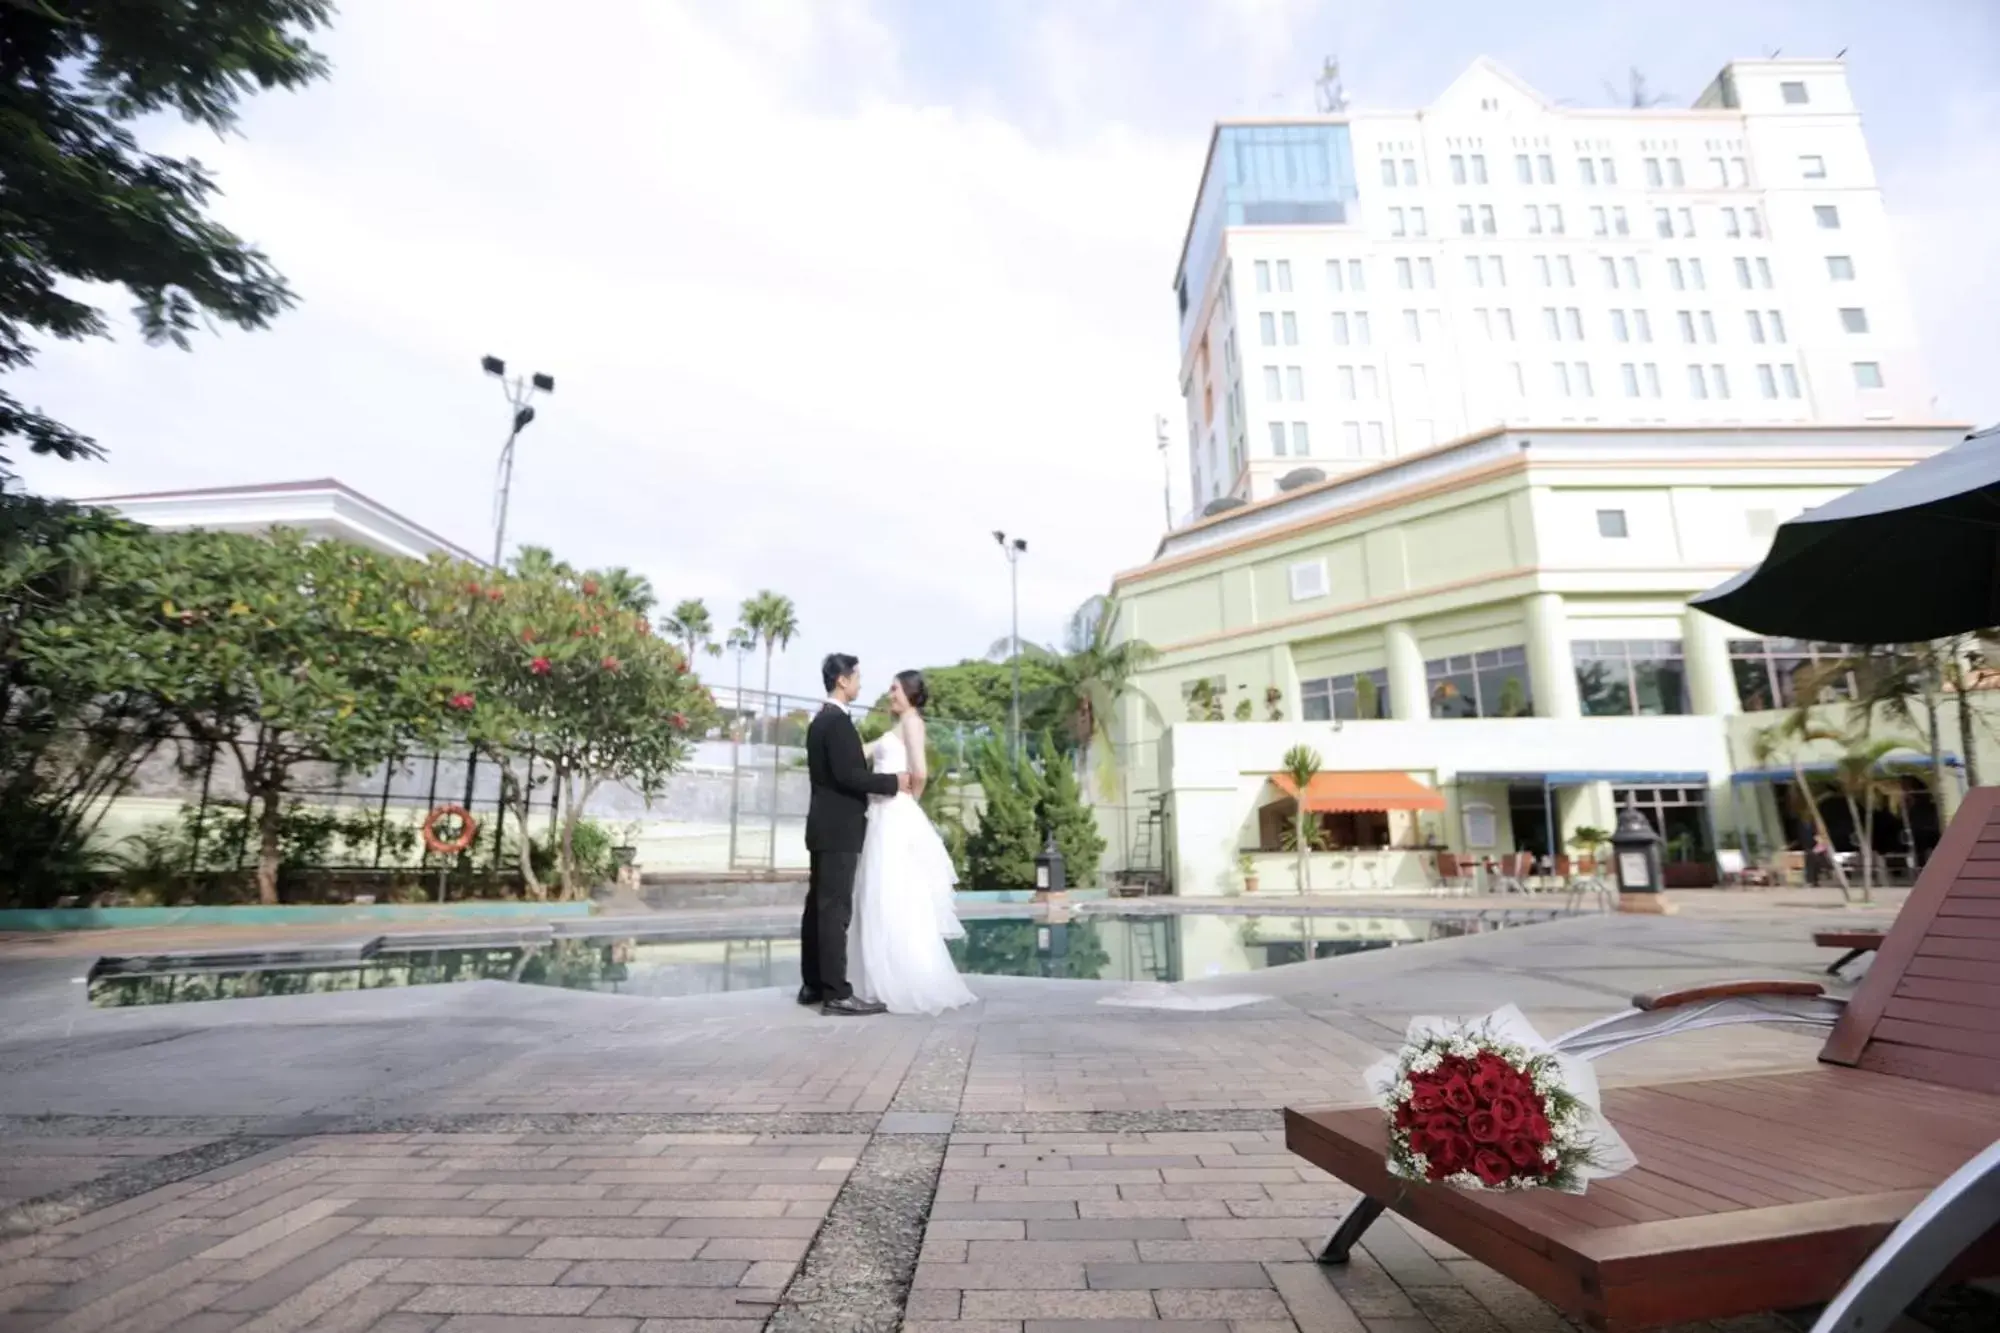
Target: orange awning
1331,792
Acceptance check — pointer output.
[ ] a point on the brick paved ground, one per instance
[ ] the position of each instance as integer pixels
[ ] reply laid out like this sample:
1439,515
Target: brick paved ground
486,1157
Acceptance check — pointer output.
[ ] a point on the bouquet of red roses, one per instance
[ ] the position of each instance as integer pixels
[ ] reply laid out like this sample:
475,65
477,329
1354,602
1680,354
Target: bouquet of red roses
1490,1105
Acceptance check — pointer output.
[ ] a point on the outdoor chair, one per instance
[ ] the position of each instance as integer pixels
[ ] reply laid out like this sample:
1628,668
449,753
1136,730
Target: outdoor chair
1455,872
1856,942
1762,1191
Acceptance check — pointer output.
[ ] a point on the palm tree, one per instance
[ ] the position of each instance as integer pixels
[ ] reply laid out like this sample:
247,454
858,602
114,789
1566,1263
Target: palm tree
1785,742
1907,685
539,561
1301,765
740,642
1868,788
689,622
628,591
772,621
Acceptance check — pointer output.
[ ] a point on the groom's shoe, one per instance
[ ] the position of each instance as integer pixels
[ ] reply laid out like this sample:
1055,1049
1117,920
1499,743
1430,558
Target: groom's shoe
851,1007
809,996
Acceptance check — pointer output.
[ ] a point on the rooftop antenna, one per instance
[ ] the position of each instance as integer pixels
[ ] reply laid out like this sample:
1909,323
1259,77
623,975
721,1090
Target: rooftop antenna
1328,92
1776,51
1841,54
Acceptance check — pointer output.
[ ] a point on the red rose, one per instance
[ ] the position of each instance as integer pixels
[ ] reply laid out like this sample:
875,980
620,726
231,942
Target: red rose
1508,1112
590,587
1444,1124
462,702
1484,1127
1455,1154
1538,1127
609,663
1427,1099
1405,1117
1492,1167
1490,1079
540,666
1524,1154
1457,1093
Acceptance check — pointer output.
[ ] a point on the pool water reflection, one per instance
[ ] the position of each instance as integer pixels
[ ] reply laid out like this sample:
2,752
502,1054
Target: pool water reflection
1096,947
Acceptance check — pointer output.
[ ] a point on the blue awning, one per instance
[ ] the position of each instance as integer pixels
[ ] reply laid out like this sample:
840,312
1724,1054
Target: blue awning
1579,778
1824,768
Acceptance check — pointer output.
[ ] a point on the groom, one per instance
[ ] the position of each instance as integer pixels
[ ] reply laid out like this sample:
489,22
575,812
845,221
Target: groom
836,824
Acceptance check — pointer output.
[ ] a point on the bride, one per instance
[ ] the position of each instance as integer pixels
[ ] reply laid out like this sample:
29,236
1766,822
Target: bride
903,910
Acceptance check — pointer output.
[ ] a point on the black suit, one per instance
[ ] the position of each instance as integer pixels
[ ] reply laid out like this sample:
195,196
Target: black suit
836,825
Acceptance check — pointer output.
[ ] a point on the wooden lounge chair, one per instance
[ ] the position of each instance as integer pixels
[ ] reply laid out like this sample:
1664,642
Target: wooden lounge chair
1759,1192
1856,942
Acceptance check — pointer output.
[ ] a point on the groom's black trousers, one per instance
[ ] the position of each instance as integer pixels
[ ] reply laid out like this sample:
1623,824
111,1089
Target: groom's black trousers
823,934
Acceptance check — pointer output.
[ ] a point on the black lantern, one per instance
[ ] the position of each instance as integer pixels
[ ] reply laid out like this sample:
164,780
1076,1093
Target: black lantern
1635,850
1049,877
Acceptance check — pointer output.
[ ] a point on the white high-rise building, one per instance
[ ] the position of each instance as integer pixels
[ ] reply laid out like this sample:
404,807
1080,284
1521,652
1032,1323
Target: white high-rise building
1369,284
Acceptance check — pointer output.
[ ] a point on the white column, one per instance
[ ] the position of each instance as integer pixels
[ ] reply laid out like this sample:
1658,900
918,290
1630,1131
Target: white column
1409,695
1549,658
1711,684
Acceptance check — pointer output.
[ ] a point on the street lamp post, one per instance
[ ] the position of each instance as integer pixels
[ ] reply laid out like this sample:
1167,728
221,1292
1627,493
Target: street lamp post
1014,548
519,392
740,643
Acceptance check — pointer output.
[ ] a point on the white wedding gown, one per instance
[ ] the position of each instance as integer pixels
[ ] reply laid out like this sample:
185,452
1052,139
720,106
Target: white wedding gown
903,907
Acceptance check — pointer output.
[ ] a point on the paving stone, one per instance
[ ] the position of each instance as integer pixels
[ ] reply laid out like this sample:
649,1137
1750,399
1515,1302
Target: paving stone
1266,1250
1106,1228
1052,1251
508,1323
1126,1326
616,1247
586,1226
962,1326
436,1226
503,1300
458,1247
687,1302
784,1249
1154,1277
317,1298
939,1305
293,1276
638,1273
1239,1303
1057,1305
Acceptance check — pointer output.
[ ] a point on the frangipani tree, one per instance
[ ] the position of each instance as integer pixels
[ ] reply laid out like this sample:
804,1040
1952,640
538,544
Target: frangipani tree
554,668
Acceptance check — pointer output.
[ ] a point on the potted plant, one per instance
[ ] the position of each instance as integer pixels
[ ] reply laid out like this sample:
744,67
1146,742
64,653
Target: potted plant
1590,841
1247,868
1274,703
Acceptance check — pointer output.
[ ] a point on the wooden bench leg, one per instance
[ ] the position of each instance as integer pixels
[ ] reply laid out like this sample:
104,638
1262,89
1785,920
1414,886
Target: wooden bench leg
1844,960
1345,1237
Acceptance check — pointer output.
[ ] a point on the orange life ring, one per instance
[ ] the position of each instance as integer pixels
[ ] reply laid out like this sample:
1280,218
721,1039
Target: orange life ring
468,829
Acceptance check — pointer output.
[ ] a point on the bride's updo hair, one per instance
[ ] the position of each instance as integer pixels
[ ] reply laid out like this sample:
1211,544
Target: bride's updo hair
914,688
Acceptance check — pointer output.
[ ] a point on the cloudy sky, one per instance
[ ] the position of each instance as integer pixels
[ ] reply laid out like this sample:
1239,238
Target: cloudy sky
833,288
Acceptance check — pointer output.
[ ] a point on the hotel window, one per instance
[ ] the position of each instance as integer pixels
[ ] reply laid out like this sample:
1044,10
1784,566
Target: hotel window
1409,171
1676,275
1790,375
1586,171
1742,272
1555,219
1307,579
1295,384
1542,271
1479,168
1840,268
1580,377
1340,331
1663,222
1686,319
1274,384
1687,221
1474,272
1739,173
1520,378
1458,169
1363,330
1756,323
1301,440
1697,383
1720,170
1827,216
1600,221
1630,267
1573,323
1771,673
1620,331
1678,814
1730,225
1412,328
1486,222
1534,212
1793,92
1505,324
1763,272
1754,221
1355,276
1465,220
1489,684
1812,166
1628,374
1378,441
1774,320
1867,374
1642,324
1333,282
1854,319
1289,322
1426,274
1371,382
1718,380
1545,168
1403,278
1607,171
1611,523
1559,377
1389,171
1277,429
1396,227
1524,171
1552,324
1263,275
1350,438
1344,381
1362,696
1609,267
1696,278
1708,326
1652,380
1418,225
1566,271
1618,222
1498,268
1630,677
1675,176
1767,381
1284,268
1653,177
1267,329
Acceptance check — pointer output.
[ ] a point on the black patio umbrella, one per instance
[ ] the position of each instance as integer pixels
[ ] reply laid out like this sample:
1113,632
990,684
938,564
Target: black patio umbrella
1910,558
